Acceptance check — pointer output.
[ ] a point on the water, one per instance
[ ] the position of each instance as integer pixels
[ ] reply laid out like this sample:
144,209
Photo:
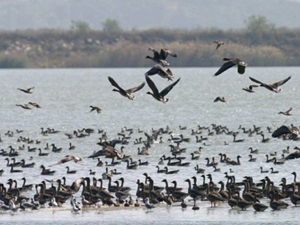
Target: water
65,97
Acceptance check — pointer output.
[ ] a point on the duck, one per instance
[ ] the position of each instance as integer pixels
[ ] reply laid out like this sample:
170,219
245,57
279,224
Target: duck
97,109
286,113
126,93
219,44
27,91
160,96
230,63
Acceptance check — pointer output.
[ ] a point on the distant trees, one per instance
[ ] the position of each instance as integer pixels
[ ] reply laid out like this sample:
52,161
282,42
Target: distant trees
258,24
80,26
111,25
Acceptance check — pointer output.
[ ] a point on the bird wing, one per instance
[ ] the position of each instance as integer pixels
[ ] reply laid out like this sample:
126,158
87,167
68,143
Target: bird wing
289,110
29,89
135,89
114,83
165,52
152,86
168,88
156,69
256,81
224,67
279,83
280,131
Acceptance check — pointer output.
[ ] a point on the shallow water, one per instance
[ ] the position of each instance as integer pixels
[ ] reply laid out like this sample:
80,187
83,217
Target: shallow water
65,97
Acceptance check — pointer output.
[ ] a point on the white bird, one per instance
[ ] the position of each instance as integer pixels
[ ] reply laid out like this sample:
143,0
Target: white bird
148,205
74,204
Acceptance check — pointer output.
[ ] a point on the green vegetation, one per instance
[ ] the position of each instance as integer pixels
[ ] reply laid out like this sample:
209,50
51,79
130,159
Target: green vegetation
260,44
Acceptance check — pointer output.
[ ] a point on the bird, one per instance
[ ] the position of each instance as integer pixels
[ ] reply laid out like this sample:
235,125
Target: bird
34,105
219,44
24,106
272,87
160,96
27,91
160,57
161,71
126,93
250,88
148,205
69,158
221,99
230,63
95,108
286,113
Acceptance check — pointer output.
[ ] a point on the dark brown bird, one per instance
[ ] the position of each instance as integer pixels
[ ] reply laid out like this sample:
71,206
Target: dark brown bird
95,108
219,44
272,87
34,104
230,63
24,106
221,99
27,91
126,93
161,71
160,96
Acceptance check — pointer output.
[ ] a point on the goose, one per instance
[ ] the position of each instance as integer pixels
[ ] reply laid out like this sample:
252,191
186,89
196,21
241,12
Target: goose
160,96
146,163
252,159
161,71
157,58
277,204
160,170
92,172
71,147
230,63
250,88
42,154
46,171
221,99
170,172
286,113
219,44
12,170
70,171
35,105
96,109
194,157
273,171
126,93
259,207
263,171
68,158
272,87
29,165
253,151
27,91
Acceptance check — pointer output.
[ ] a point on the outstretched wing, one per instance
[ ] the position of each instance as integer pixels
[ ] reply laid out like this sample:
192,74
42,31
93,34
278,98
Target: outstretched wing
169,88
279,83
280,131
152,86
224,67
154,70
135,89
165,52
256,81
289,110
114,83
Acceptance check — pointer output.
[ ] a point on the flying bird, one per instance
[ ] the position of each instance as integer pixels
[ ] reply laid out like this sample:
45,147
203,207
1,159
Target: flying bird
219,44
34,104
230,63
250,88
24,106
160,57
161,71
160,96
126,93
95,108
221,99
27,91
287,113
69,158
272,87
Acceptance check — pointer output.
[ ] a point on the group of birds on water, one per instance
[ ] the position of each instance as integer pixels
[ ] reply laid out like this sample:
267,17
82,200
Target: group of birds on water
260,194
238,194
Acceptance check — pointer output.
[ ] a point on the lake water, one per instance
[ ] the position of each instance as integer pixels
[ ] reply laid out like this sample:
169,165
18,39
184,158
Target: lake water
65,96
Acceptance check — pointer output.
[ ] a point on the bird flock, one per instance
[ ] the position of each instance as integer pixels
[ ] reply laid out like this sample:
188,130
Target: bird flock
149,192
